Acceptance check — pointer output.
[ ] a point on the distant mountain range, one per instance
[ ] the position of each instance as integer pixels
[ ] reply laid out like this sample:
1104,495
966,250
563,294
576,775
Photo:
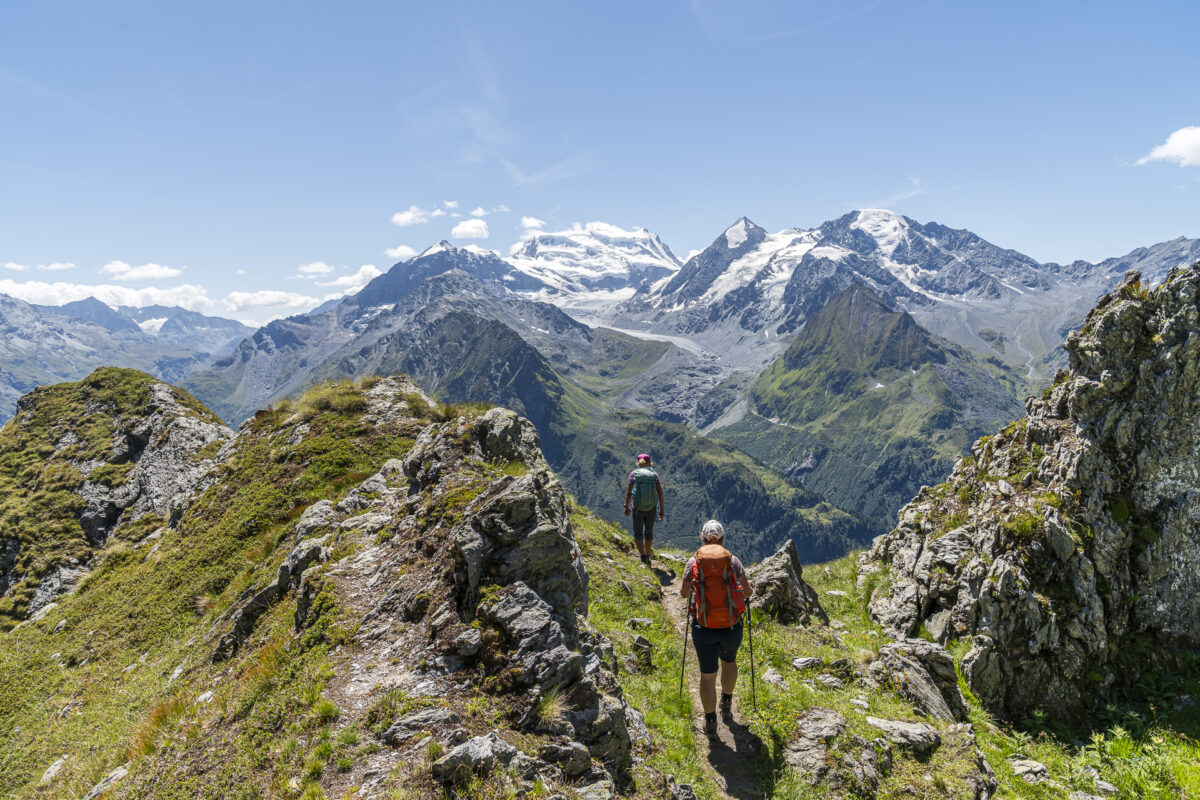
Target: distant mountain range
50,344
829,371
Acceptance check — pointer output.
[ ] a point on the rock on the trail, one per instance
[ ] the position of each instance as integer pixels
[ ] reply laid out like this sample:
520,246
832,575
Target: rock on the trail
1080,570
780,590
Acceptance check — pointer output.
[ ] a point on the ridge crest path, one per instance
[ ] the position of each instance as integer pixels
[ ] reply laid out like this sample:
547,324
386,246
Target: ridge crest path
729,759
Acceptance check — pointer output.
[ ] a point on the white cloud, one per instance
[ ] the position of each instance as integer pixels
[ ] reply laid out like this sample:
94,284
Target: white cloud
352,283
479,211
470,229
241,272
414,216
532,222
16,267
401,251
451,204
56,266
268,298
1182,147
143,272
189,296
500,209
314,269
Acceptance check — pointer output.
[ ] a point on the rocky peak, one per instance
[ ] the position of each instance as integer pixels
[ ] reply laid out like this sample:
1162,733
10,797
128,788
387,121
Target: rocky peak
1064,545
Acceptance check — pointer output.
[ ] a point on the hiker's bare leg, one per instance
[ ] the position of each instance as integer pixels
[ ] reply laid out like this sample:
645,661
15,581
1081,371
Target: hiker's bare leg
708,692
728,676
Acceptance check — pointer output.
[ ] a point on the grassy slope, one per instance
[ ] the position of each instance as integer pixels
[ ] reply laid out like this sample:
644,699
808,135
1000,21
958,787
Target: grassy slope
868,406
38,478
99,689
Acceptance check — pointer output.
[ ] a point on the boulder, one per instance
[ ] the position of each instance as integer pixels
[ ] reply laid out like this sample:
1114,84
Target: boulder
924,673
428,719
917,737
780,590
474,758
572,758
807,752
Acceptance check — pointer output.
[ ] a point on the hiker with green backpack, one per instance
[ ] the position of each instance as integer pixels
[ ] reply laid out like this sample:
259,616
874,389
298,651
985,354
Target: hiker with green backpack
716,587
644,491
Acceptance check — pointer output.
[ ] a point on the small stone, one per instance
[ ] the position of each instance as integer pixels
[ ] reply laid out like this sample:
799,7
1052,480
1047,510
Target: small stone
773,677
1005,488
600,790
205,698
107,783
643,650
1029,770
640,623
62,623
625,587
830,682
1104,787
810,662
836,593
175,675
468,643
51,771
862,704
1083,796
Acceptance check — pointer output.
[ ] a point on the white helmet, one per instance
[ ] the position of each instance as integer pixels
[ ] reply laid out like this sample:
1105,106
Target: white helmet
712,532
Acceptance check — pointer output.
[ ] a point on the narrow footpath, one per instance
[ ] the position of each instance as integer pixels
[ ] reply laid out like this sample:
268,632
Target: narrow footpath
730,758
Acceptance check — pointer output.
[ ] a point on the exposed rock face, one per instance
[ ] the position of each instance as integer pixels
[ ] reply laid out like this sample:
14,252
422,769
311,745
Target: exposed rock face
780,590
1067,545
162,446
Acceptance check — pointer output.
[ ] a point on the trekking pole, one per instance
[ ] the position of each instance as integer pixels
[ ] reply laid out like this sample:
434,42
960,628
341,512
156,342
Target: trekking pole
687,626
750,634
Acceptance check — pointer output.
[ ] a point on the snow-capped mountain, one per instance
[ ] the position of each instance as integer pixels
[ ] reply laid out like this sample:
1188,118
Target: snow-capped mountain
590,268
749,288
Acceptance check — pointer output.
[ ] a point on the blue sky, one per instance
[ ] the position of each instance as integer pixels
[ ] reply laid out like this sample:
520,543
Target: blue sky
202,153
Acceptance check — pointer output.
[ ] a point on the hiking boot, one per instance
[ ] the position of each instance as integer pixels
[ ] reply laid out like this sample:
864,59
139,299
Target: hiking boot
726,706
646,560
710,726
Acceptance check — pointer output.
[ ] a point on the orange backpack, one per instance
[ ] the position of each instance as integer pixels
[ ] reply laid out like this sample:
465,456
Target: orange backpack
718,600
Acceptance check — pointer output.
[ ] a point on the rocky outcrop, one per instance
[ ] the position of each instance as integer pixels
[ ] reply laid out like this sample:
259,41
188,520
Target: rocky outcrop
1066,545
162,445
780,590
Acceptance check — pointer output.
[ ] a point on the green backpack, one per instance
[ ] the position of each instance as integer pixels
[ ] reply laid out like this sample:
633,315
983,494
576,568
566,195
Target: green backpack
644,480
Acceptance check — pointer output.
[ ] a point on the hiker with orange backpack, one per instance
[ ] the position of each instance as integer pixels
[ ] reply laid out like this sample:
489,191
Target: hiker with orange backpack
716,586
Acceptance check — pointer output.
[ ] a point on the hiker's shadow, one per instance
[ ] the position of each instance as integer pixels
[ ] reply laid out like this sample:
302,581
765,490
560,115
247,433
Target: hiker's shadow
738,765
665,576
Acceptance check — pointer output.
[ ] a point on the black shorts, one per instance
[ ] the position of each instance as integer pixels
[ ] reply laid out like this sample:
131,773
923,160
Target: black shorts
643,525
714,643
